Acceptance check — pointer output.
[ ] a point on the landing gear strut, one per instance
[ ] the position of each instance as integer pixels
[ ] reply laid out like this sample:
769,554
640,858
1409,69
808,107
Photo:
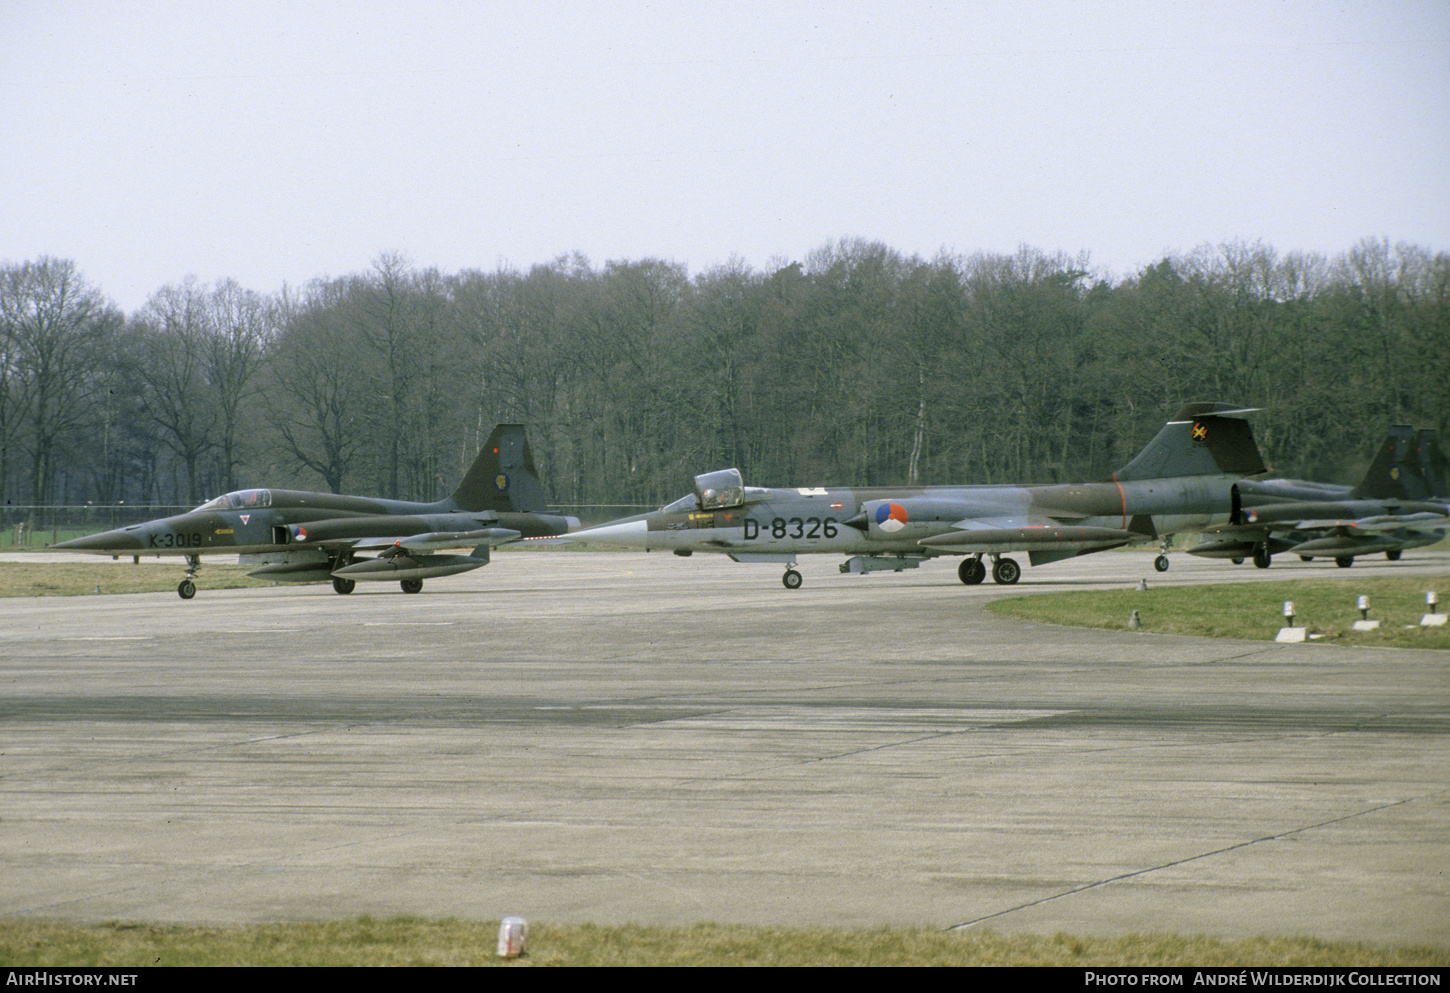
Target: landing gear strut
971,571
1161,562
186,589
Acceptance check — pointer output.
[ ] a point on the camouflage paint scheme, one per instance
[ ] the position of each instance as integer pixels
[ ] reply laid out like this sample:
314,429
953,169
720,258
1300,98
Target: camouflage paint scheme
302,537
1399,504
1182,481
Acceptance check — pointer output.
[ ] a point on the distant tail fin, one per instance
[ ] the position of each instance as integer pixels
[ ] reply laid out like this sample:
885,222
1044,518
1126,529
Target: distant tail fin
503,477
1202,439
1432,463
1392,474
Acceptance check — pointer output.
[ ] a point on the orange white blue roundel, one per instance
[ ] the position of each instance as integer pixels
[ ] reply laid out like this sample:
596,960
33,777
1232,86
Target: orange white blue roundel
891,517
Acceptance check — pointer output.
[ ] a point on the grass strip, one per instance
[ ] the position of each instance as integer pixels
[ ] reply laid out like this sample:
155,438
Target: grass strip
412,941
1327,607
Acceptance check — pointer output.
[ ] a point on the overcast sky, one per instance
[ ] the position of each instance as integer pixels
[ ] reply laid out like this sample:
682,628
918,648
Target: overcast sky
277,142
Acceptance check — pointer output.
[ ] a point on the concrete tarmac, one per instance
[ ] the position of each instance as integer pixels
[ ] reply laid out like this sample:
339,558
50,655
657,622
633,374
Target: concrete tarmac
643,738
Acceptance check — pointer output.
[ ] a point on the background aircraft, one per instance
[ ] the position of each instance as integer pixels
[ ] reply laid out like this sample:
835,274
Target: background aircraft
299,537
1182,481
1399,504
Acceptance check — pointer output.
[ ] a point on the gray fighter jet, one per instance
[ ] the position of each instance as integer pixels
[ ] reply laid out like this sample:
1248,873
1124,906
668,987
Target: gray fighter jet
299,537
1400,503
1182,481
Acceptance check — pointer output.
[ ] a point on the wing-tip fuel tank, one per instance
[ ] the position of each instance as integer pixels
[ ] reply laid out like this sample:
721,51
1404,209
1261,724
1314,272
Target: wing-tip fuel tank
1181,481
303,537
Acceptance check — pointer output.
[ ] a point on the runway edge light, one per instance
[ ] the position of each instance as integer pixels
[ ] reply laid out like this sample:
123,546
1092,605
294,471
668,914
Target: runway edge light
1364,623
513,934
1432,618
1289,632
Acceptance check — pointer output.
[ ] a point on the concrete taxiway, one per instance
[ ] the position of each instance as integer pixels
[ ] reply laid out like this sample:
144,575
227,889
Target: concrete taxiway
615,738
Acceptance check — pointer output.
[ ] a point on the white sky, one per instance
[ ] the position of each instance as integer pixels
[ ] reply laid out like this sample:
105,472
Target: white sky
276,142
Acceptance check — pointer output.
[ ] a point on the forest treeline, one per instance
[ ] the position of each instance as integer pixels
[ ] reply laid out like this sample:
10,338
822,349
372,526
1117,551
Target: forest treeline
858,365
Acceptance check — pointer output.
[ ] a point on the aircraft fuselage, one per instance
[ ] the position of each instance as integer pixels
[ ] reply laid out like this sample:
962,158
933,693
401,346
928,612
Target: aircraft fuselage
850,521
294,520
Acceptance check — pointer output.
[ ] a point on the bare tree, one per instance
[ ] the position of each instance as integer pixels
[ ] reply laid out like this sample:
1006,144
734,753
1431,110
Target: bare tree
53,325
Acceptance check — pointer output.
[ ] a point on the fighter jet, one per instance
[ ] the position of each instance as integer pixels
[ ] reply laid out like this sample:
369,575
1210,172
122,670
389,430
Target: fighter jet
299,537
1399,504
1182,481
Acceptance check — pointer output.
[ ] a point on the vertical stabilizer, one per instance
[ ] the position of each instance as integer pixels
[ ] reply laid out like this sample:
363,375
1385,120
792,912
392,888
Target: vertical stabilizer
503,477
1431,462
1392,475
1202,439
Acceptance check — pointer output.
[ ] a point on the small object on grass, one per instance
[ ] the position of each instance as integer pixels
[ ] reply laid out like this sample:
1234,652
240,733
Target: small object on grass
1432,617
513,934
1364,623
1289,632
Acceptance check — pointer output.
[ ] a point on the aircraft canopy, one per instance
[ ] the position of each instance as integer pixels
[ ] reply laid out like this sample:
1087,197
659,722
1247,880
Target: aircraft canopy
720,489
239,500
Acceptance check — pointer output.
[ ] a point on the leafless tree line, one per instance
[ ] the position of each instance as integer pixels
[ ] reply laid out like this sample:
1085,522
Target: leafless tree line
857,365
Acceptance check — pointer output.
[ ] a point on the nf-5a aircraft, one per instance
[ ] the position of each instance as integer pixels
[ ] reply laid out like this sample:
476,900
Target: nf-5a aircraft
297,537
1401,503
1182,481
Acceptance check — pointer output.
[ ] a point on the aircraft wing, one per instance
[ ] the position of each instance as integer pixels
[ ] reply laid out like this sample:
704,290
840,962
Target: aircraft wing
1379,522
1025,534
436,540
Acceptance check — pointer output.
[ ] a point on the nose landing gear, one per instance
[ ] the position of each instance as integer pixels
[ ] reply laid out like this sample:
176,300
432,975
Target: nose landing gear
186,589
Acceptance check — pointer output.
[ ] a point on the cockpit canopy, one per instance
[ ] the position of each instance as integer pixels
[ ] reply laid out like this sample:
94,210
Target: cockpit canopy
239,500
719,490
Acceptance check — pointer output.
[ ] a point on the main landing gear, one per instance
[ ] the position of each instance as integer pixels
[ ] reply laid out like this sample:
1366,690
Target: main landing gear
1004,570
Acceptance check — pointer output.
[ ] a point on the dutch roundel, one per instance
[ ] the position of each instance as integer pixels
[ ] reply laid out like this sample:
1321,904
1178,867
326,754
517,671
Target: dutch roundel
891,517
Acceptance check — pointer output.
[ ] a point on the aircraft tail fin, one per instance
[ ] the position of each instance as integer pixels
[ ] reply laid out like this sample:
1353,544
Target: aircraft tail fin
1432,462
503,477
1392,473
1202,439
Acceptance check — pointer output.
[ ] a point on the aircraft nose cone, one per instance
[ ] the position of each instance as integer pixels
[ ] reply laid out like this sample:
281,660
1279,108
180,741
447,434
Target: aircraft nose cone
627,533
106,541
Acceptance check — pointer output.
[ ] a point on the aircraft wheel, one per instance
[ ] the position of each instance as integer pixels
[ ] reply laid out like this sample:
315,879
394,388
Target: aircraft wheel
1237,561
791,579
1006,571
1306,558
186,589
411,585
1393,555
1344,561
340,585
1262,558
1161,563
971,571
